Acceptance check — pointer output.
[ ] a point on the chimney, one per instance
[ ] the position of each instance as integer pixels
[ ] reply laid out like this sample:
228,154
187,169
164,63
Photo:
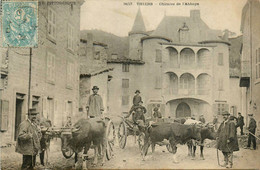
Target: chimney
195,14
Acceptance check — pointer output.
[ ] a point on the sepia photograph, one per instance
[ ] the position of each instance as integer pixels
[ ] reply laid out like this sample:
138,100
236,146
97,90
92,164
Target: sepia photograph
129,84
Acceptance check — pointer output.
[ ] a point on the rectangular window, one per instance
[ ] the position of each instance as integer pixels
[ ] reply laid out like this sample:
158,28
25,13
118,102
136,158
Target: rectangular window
220,84
51,23
158,82
125,100
220,59
50,66
70,37
125,67
125,83
4,112
221,108
158,56
70,74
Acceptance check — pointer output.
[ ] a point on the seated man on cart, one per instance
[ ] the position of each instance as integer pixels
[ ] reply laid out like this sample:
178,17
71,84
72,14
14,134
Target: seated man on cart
137,113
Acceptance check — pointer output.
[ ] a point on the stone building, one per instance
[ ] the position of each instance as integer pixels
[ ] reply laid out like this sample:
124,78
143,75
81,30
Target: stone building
93,70
250,60
182,65
54,78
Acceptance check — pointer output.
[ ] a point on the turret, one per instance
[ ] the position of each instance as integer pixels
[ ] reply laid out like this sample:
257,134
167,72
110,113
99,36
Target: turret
138,31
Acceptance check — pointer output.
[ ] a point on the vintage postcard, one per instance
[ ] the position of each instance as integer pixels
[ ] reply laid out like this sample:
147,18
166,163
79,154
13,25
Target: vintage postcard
129,84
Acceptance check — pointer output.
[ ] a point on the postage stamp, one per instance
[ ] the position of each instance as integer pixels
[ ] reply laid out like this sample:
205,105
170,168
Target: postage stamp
20,24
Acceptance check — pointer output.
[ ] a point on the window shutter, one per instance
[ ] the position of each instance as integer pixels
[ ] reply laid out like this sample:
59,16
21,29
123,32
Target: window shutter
4,107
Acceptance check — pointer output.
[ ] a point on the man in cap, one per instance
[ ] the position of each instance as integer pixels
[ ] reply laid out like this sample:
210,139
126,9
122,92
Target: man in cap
251,129
227,139
95,106
240,123
28,140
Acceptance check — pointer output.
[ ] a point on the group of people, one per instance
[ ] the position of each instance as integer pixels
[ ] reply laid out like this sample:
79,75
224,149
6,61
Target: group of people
29,133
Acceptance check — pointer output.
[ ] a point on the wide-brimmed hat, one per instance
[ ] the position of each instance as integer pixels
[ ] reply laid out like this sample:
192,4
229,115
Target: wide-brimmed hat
95,87
250,114
137,91
226,113
33,111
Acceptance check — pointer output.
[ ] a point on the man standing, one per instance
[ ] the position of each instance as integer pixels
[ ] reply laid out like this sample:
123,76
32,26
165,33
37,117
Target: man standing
240,123
227,139
95,104
28,140
251,129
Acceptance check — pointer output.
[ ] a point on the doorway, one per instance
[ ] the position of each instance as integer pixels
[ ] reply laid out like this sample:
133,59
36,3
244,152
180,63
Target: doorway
183,110
18,114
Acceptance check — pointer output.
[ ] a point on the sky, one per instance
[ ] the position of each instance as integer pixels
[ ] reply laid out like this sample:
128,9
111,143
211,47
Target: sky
115,17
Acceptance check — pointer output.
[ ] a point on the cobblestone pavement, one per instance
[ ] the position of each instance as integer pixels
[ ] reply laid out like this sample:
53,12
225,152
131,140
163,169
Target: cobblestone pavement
131,158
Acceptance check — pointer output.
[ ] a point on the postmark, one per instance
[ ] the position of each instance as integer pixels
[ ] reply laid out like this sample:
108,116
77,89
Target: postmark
20,24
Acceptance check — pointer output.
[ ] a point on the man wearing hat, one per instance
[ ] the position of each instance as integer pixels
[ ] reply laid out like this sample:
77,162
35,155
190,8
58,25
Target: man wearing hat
240,123
157,114
95,104
137,98
28,140
227,139
251,129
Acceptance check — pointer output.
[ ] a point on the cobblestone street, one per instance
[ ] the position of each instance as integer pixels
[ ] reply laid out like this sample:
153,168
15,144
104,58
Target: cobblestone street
131,158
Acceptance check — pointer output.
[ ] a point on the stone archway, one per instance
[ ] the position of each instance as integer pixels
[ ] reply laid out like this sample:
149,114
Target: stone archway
183,110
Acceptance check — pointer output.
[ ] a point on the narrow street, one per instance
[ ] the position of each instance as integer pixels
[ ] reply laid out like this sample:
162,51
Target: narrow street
131,158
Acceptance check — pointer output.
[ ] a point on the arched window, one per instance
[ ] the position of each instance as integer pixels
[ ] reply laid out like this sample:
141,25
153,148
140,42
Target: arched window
187,57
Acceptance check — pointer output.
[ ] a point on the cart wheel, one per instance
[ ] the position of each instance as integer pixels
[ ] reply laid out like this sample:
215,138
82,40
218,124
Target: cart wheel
110,135
122,135
169,148
67,153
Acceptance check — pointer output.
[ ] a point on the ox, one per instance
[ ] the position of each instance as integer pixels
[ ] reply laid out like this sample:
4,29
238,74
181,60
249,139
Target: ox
207,132
86,132
175,133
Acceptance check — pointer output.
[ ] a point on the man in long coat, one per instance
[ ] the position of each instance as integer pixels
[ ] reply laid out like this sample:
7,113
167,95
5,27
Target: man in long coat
240,123
95,104
28,140
251,129
227,139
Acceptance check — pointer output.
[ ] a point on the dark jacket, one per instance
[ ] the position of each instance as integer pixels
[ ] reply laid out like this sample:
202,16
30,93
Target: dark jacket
137,99
240,121
28,140
252,125
227,131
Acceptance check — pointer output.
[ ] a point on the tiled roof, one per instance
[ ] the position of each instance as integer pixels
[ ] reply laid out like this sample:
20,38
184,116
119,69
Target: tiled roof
138,23
199,31
125,60
86,71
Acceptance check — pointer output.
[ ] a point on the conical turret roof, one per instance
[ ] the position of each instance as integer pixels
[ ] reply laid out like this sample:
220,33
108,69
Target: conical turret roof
139,23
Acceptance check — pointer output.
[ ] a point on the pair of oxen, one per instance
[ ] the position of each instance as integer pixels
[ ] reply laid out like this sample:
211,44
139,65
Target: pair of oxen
176,133
93,131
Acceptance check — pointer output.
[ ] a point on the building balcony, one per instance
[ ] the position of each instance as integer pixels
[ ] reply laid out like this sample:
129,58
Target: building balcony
195,93
245,74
